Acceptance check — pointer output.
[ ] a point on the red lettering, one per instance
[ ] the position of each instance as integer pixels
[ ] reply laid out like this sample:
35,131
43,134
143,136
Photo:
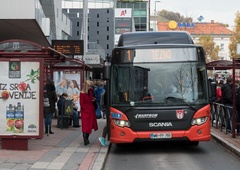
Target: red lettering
123,13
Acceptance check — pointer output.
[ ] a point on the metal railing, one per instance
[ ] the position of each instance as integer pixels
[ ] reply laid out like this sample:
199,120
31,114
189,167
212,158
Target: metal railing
222,116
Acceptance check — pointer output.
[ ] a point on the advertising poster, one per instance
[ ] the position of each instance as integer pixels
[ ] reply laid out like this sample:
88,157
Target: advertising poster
19,97
69,83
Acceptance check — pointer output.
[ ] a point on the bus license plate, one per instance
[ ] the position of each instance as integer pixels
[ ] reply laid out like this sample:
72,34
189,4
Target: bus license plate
160,135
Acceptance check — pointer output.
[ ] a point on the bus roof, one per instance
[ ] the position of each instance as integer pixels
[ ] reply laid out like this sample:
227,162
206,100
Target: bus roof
160,37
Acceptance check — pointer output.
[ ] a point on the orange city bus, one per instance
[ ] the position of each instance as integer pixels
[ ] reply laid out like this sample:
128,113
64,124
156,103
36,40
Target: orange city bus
157,90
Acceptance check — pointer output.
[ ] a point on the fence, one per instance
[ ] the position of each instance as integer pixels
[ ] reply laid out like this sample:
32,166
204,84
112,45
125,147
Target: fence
222,116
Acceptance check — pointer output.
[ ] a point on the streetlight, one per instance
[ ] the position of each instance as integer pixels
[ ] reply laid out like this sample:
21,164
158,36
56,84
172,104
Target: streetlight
156,15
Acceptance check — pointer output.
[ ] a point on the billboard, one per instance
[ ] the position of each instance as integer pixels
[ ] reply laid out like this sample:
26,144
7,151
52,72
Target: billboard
20,111
123,22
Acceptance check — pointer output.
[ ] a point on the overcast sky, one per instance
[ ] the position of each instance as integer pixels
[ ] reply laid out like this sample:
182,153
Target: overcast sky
218,10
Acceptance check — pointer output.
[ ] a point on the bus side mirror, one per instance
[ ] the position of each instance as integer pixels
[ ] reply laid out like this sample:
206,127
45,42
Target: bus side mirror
106,72
212,86
106,68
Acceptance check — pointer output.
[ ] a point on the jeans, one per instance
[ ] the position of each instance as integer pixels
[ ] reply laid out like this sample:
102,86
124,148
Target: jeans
48,120
229,117
75,118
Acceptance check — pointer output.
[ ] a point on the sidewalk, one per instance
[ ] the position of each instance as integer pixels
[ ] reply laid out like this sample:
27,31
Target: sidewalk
226,140
62,150
65,150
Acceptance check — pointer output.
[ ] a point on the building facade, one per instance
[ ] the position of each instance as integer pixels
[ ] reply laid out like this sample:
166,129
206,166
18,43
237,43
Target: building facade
220,34
140,10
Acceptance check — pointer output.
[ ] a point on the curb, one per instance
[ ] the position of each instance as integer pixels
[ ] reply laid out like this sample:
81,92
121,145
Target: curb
101,158
226,144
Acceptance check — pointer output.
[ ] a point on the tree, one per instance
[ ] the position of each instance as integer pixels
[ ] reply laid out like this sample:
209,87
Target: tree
235,38
210,48
169,15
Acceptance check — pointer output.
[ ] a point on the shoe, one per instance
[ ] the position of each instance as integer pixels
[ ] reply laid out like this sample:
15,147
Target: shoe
76,126
51,132
102,141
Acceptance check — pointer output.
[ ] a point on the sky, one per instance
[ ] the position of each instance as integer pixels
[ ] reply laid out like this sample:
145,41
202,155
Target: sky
218,10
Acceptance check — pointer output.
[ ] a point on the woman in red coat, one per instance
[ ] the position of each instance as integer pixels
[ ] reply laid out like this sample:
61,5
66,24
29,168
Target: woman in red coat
88,114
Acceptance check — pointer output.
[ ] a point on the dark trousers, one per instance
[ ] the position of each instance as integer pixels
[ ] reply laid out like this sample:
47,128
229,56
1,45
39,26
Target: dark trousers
75,118
48,120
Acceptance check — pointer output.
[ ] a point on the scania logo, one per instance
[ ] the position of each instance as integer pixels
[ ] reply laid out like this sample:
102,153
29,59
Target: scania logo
160,124
142,116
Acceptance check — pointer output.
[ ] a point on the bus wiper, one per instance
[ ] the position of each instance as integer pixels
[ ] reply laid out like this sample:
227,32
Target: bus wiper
191,107
170,98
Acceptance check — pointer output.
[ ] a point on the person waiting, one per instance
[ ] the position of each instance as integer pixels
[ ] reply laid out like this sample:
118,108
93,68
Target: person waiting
61,107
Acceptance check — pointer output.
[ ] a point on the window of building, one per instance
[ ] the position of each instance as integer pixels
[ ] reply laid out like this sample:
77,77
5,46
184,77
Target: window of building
88,37
137,5
222,46
108,37
97,24
88,28
130,5
144,5
97,32
108,11
98,41
77,14
107,46
121,5
107,28
78,33
97,15
77,24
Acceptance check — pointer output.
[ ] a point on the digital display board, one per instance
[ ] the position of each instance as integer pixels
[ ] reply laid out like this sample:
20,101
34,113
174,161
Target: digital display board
154,55
69,47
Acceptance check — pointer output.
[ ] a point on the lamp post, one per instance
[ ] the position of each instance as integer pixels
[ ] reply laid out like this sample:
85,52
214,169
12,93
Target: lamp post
156,15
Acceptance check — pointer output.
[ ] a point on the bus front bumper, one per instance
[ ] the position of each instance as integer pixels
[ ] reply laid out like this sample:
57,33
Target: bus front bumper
126,135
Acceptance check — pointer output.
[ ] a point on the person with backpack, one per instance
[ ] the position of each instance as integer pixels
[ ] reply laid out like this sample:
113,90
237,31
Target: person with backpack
97,93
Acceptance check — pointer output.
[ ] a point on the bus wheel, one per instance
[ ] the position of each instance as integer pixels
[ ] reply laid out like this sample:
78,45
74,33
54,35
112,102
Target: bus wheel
193,143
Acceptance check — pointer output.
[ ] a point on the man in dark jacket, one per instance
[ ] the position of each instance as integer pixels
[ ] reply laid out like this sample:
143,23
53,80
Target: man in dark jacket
227,98
50,98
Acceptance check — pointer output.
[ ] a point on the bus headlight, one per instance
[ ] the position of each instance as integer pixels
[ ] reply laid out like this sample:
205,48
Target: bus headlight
122,123
199,121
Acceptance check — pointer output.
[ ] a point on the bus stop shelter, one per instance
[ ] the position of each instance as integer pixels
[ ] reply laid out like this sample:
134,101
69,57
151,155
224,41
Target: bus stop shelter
16,50
228,65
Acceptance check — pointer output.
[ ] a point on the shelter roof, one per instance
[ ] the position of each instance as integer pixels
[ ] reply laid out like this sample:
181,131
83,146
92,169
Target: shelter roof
223,65
26,49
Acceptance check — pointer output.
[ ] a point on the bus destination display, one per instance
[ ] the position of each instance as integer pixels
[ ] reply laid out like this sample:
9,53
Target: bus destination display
68,47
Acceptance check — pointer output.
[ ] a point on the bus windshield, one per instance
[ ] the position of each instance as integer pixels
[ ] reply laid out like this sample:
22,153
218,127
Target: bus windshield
166,83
